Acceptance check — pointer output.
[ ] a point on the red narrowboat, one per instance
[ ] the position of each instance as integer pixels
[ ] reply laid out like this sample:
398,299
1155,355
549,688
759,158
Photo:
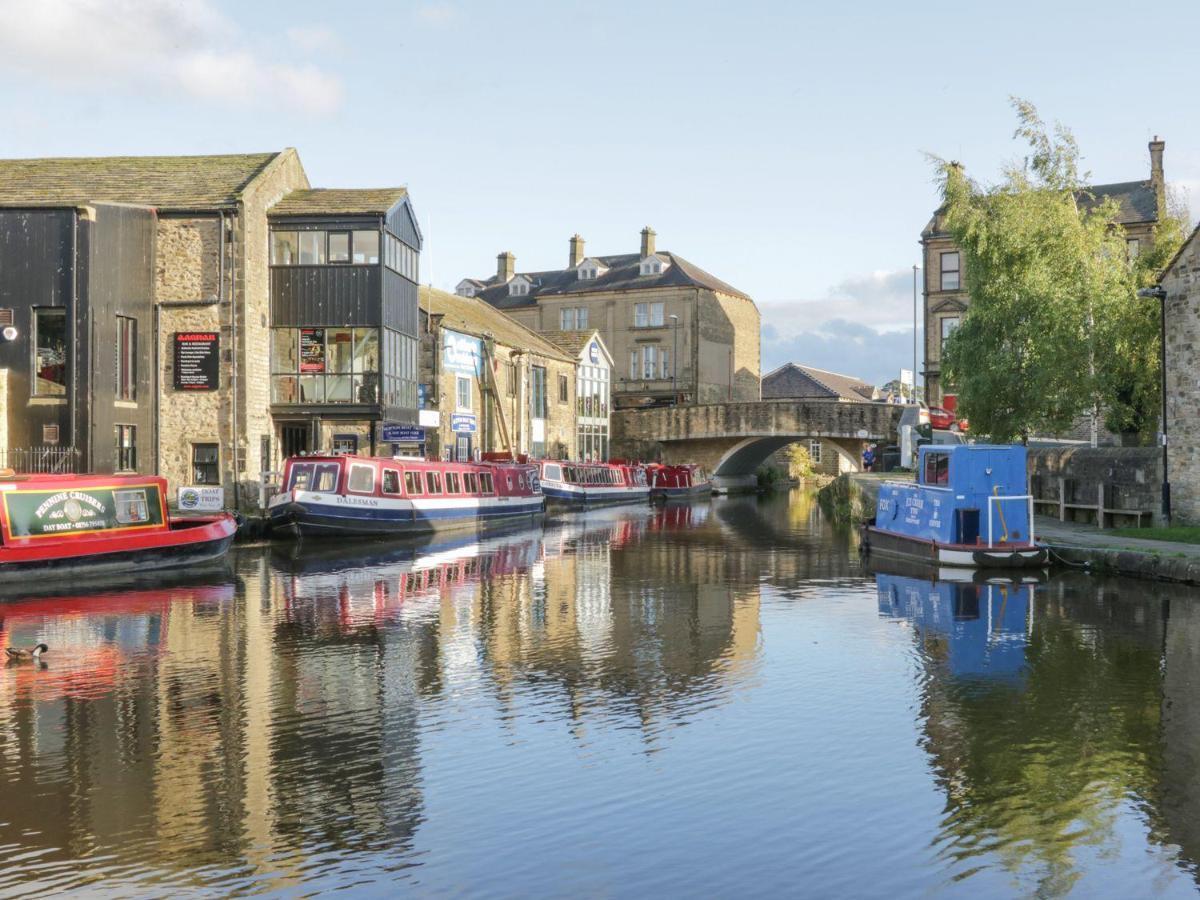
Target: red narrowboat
361,495
686,482
68,525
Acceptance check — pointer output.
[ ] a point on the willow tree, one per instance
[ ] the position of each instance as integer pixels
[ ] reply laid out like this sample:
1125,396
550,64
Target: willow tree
1055,329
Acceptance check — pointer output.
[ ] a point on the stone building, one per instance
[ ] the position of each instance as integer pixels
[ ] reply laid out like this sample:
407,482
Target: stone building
207,346
593,390
490,384
792,380
676,333
1181,311
946,300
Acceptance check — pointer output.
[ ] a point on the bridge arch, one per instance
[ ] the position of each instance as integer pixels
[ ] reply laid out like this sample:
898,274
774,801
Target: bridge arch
738,465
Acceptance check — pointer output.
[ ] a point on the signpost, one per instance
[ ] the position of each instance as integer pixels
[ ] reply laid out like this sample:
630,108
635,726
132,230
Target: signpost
201,498
197,360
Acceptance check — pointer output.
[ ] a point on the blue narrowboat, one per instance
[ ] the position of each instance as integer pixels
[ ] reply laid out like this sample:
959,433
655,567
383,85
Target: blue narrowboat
970,506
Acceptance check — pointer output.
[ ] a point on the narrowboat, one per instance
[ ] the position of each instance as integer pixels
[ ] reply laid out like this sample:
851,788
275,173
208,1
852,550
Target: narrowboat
399,497
99,525
686,482
970,506
577,484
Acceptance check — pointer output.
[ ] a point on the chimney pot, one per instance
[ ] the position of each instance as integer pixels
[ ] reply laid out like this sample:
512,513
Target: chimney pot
648,241
506,265
1156,171
576,256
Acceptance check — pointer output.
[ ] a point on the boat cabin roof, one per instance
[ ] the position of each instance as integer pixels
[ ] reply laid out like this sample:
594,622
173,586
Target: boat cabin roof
971,467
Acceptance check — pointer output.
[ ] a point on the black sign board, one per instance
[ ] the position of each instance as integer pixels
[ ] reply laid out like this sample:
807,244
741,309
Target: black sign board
197,360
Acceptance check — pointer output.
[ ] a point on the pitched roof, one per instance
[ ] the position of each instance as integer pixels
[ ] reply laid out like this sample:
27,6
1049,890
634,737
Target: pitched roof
624,274
793,380
473,316
167,182
1137,203
572,342
343,201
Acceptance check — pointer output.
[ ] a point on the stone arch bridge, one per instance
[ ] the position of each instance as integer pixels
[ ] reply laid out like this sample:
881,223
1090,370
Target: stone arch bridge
731,440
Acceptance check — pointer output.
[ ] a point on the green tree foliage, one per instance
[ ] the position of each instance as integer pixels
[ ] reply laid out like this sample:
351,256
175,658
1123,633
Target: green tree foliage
1055,328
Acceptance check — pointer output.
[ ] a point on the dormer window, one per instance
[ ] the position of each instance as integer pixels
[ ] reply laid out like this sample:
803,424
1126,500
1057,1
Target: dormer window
652,265
590,269
518,287
587,274
466,288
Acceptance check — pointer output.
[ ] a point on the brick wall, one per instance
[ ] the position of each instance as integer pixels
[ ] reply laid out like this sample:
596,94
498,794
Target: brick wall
1182,283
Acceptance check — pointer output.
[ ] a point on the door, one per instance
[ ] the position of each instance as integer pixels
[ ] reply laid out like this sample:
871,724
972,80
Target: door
462,447
295,439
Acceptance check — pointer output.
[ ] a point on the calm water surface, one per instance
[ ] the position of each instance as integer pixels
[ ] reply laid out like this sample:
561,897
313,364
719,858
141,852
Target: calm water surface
715,700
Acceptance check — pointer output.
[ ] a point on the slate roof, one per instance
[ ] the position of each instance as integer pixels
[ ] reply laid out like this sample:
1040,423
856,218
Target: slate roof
793,380
572,342
473,316
623,275
339,201
166,182
1136,200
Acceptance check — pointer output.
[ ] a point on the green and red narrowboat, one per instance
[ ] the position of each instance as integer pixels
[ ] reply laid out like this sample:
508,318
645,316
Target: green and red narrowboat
68,525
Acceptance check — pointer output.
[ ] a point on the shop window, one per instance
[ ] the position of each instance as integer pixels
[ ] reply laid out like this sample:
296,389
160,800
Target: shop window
285,248
312,248
126,447
50,352
206,464
126,358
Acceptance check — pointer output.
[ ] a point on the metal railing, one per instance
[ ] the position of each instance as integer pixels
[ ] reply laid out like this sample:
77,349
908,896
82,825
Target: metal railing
49,460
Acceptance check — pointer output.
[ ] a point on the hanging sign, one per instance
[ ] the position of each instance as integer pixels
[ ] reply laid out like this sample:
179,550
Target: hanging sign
402,434
197,360
463,423
461,353
312,349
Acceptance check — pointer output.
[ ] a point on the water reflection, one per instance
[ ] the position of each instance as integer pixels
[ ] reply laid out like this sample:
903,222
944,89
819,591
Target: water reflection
696,699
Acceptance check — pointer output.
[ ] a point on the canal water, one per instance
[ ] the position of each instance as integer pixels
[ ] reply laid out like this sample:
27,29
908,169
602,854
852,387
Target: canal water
708,700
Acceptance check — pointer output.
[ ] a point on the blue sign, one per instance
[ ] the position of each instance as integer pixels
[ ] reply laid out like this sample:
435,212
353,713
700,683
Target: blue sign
422,395
594,352
461,353
403,434
463,423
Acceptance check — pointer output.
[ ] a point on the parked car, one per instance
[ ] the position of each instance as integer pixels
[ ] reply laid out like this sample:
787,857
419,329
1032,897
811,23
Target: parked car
944,420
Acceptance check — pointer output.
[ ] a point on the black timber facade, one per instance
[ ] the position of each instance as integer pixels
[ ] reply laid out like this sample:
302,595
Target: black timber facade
344,321
78,364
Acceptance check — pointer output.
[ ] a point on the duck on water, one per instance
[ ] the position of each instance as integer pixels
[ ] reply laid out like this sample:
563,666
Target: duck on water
970,506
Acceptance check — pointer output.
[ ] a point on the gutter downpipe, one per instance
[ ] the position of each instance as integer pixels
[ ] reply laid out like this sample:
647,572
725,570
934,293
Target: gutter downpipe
74,413
1157,292
233,375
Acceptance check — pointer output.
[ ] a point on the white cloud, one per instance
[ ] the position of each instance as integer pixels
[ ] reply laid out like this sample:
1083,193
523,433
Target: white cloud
157,45
863,327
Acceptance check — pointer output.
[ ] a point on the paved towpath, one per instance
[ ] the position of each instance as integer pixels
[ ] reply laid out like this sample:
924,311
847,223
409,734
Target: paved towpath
1074,534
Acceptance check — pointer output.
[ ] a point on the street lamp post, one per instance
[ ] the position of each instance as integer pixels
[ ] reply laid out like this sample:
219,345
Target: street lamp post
1158,293
914,369
675,362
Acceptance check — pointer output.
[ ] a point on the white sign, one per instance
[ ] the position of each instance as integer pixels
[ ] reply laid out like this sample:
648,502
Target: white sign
201,498
428,418
906,377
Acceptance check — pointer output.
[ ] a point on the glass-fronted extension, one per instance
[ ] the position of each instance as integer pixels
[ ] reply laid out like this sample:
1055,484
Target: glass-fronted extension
592,398
344,316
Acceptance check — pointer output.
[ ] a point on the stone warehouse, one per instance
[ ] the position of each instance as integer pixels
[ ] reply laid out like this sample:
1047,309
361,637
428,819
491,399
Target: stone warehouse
677,334
946,300
185,363
491,385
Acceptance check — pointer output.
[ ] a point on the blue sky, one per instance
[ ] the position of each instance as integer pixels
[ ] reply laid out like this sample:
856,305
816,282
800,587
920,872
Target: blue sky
779,147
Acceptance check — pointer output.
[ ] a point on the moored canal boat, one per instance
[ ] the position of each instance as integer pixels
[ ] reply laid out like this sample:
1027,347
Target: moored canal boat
69,525
399,497
577,484
970,506
680,482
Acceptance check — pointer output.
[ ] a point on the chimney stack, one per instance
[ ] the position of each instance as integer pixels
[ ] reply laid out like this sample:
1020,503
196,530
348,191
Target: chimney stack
576,251
1156,173
506,265
648,237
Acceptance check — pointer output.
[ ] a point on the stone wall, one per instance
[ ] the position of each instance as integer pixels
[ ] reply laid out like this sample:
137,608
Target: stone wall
1182,284
1131,476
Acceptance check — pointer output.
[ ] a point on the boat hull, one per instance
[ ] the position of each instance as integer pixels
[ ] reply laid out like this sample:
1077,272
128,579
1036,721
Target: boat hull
574,497
1005,556
703,489
188,543
329,516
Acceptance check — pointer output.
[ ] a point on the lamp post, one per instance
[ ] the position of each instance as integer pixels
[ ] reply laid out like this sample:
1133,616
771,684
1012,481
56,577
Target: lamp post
675,362
1158,293
914,369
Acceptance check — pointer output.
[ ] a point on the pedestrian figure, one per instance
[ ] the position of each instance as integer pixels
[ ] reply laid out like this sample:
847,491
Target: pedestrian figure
868,457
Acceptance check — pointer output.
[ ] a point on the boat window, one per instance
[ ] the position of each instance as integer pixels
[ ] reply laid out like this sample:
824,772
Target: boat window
327,477
433,482
301,477
362,479
391,481
552,473
452,485
132,507
412,483
509,479
485,482
937,468
471,483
